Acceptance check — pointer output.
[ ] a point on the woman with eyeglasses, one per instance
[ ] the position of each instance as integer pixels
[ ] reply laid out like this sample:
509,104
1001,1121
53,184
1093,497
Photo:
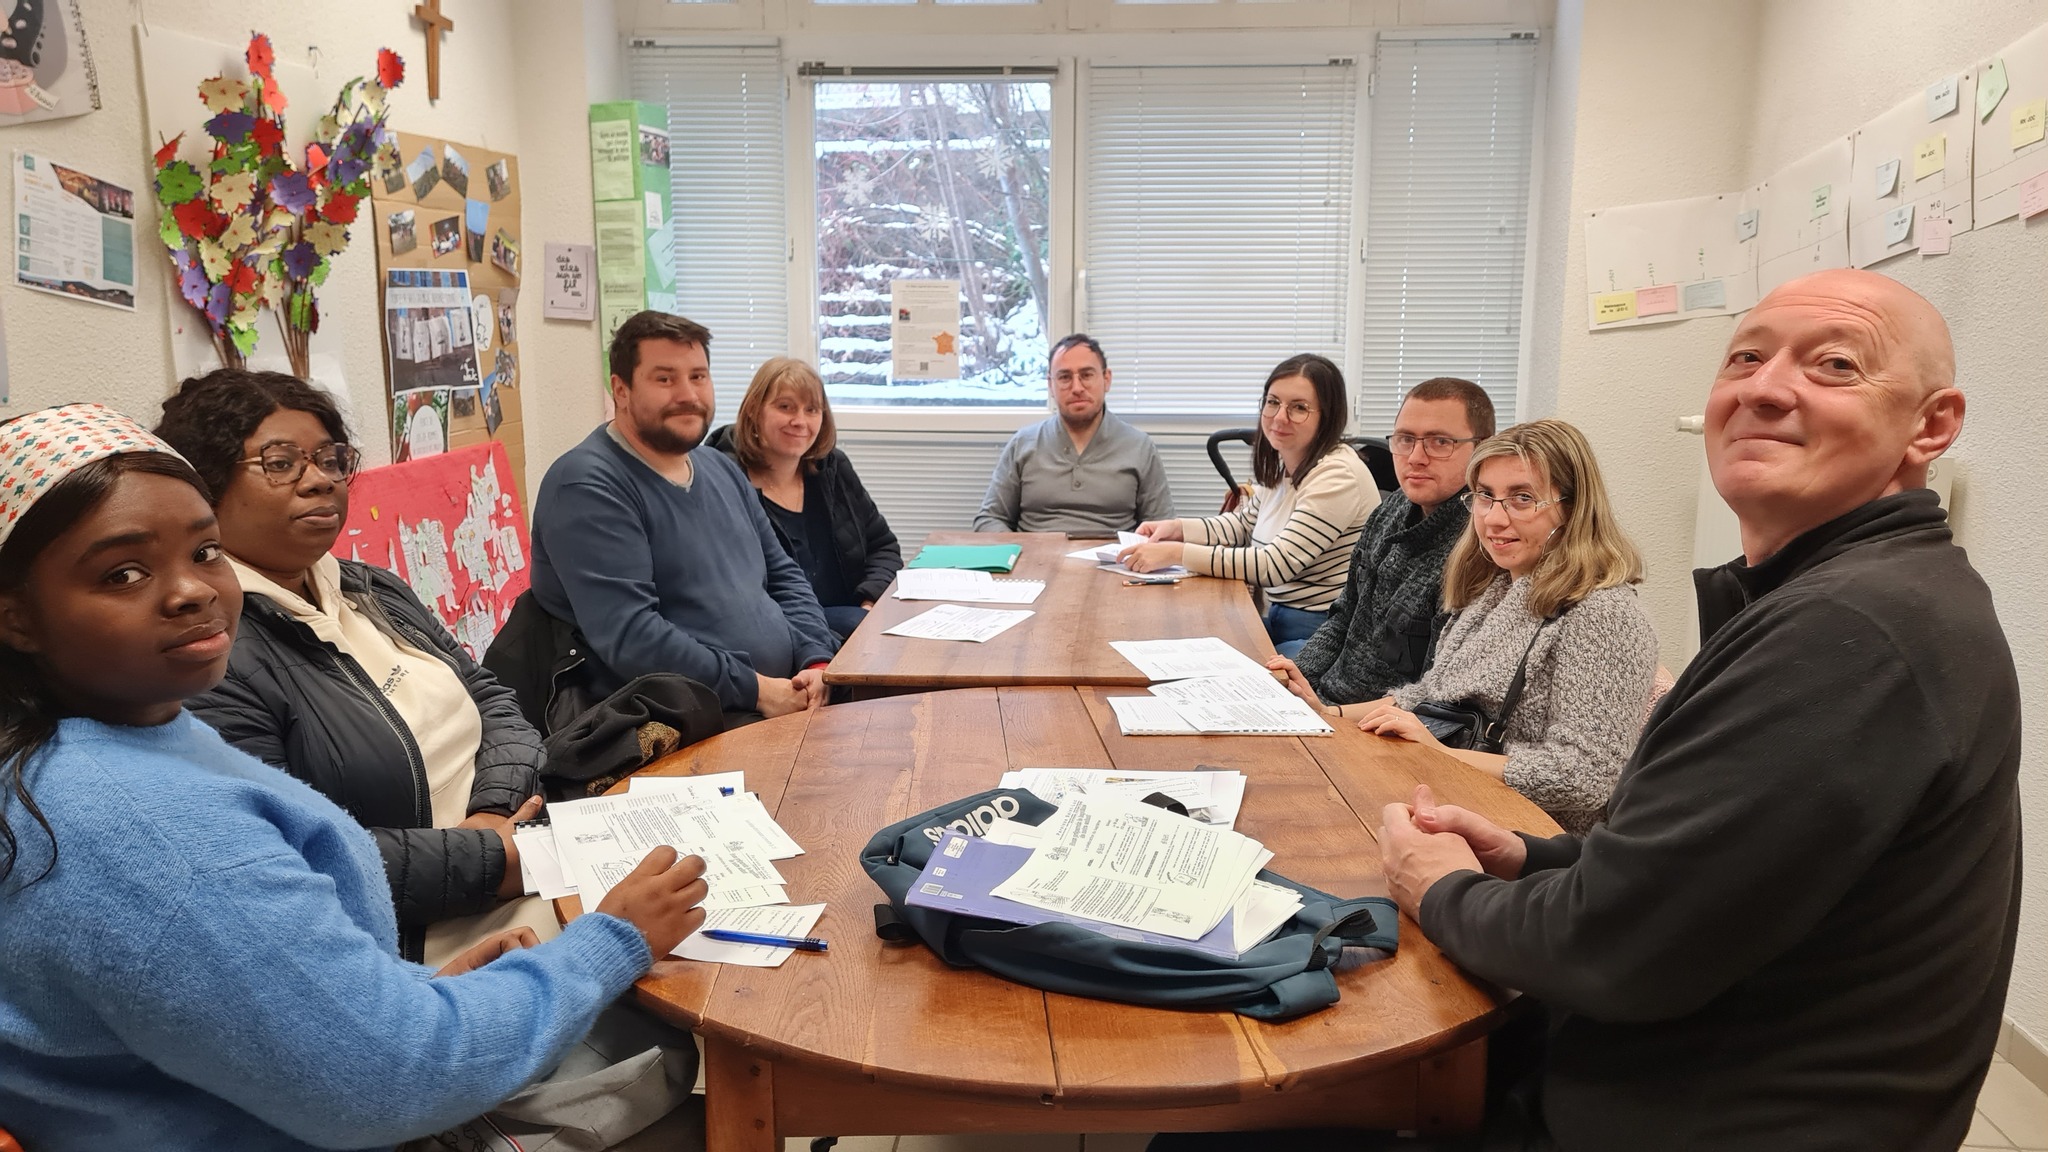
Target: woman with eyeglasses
341,677
1294,537
1543,581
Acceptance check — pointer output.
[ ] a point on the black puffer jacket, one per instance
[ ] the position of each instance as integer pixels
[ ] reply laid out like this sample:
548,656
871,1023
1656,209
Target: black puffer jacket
297,702
869,556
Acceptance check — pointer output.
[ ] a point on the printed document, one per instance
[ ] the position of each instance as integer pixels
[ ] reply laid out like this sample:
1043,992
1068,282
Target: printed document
1213,797
601,840
1181,659
954,622
963,584
791,920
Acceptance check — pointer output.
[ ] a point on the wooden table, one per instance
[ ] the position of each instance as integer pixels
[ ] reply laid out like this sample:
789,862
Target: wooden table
879,1039
1066,641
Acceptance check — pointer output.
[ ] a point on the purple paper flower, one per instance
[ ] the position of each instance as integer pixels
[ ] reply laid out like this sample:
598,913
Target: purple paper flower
300,259
218,301
192,284
231,127
346,170
292,191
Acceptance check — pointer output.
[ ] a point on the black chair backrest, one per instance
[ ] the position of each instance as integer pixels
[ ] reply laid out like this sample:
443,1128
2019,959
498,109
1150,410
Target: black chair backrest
1226,436
1379,460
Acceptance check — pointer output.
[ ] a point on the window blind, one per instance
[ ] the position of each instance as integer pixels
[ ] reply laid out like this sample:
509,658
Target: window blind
1217,222
726,176
1446,219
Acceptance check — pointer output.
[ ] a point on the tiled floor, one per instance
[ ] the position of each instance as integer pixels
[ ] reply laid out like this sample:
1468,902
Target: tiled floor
2011,1114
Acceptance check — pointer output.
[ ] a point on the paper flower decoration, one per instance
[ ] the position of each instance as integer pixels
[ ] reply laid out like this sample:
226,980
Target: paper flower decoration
246,226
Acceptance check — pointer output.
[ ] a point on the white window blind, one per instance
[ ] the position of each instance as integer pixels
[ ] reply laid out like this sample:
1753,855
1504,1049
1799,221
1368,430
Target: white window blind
1217,220
726,172
1447,219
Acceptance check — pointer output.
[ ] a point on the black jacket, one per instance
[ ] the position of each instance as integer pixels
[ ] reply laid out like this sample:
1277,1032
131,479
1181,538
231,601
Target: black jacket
295,701
1795,929
869,556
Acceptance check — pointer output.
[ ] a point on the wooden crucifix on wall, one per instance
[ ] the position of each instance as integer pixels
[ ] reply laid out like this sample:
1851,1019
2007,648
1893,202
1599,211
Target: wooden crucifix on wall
430,15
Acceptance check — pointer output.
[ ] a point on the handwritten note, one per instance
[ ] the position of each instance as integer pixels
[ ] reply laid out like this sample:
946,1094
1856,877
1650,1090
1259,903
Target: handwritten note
2027,123
1706,294
1930,156
1898,224
1990,89
571,289
1745,225
1887,178
1941,98
1609,307
1821,196
1657,301
1934,231
2034,196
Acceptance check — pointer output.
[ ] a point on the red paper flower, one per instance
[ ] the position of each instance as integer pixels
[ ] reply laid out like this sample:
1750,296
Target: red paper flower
269,136
316,158
243,279
169,151
341,209
196,218
261,56
390,68
273,97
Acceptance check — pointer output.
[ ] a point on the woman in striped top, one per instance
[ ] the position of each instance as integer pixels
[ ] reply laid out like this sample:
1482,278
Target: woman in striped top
1294,536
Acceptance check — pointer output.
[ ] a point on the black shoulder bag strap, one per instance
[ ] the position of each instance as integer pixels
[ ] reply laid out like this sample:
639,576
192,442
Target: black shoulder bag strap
1494,736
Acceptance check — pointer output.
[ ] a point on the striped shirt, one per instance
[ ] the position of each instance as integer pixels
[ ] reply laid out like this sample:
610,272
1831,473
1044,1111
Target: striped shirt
1294,542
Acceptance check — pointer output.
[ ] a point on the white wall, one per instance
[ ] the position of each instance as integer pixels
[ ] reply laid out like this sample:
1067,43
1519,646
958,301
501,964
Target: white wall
1681,100
61,349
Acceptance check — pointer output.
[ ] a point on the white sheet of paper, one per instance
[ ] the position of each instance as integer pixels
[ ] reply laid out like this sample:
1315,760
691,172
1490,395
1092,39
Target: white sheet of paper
1211,797
539,868
1175,570
711,784
1107,553
1148,716
1263,910
788,920
959,584
1285,717
1181,659
956,622
1218,689
601,840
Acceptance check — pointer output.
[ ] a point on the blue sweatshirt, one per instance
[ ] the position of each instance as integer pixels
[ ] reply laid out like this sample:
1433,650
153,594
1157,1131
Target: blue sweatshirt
213,963
662,578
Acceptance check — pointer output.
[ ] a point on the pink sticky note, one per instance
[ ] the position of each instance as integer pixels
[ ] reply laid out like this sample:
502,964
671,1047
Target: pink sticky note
2034,196
1657,301
1934,231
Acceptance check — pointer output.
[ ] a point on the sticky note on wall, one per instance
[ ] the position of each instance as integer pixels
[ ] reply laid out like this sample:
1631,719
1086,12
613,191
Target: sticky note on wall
1705,294
2027,123
1930,156
1609,307
1657,301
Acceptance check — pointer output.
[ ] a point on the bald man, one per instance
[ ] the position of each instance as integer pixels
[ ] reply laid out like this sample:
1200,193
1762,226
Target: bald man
1795,929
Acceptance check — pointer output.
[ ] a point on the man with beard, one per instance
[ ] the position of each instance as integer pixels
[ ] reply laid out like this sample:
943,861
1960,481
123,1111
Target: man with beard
661,556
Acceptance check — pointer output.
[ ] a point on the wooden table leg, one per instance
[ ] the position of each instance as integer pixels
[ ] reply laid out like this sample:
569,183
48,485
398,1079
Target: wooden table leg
739,1100
1450,1091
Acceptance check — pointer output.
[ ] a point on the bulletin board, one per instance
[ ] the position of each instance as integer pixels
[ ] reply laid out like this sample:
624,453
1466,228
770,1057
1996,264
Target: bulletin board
1671,260
1910,161
450,526
447,230
1803,212
2011,145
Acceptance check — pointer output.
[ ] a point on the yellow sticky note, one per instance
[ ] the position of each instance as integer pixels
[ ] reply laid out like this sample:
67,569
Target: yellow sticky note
1611,306
1930,156
2027,123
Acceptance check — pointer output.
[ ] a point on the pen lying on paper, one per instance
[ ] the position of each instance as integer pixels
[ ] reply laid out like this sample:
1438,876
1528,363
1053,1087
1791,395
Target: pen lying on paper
800,943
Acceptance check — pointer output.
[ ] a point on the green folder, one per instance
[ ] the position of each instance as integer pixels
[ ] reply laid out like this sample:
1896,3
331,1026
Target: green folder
976,557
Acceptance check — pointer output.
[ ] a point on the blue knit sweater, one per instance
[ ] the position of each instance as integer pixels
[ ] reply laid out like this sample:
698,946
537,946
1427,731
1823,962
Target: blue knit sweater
213,963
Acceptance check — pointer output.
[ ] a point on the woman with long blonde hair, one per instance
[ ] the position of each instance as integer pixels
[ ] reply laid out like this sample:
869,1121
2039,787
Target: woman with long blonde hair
1544,581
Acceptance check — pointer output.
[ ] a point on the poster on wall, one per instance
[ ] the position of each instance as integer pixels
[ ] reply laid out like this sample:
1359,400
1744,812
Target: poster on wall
924,329
449,526
74,234
46,69
569,288
452,215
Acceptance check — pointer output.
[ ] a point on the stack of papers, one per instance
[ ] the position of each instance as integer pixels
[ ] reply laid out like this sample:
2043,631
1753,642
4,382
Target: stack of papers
1105,556
953,622
964,585
590,845
1244,705
984,557
1181,659
1125,869
1213,796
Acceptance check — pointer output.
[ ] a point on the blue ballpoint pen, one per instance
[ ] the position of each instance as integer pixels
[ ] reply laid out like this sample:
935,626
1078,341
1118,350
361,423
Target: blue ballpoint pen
800,943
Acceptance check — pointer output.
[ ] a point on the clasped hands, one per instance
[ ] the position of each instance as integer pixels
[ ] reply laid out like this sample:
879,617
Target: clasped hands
778,697
1422,842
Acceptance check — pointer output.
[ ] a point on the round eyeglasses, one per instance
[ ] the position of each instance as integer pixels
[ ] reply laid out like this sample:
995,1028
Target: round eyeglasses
287,463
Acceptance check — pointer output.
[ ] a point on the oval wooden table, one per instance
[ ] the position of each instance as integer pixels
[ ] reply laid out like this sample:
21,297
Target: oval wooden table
877,1039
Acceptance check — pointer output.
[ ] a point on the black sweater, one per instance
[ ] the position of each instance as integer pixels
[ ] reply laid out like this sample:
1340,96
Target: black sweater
869,556
1795,929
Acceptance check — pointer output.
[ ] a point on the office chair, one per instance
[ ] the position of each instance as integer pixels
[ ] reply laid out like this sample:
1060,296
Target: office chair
1379,460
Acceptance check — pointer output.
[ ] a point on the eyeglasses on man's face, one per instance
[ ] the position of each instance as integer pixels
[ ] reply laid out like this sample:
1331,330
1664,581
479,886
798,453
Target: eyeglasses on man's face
1296,411
1520,505
287,463
1436,447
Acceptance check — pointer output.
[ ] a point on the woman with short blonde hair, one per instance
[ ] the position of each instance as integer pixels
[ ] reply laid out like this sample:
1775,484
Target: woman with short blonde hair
785,440
1543,581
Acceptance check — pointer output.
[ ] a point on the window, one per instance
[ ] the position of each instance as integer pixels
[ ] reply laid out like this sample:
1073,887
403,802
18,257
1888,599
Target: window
1218,227
934,180
1447,219
726,186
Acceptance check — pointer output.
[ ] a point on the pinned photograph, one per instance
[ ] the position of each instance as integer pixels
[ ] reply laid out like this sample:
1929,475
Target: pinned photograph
455,170
418,306
464,406
394,180
447,234
653,146
499,178
505,252
477,215
404,236
494,408
422,173
508,308
419,424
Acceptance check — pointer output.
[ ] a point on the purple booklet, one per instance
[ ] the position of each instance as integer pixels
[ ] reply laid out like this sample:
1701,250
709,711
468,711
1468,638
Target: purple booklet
964,870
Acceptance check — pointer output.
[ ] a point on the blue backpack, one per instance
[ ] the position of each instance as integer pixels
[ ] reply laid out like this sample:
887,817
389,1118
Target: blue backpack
1289,975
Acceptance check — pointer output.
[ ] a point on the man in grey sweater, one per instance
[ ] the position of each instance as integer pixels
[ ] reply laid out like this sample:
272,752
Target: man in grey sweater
1795,929
1083,472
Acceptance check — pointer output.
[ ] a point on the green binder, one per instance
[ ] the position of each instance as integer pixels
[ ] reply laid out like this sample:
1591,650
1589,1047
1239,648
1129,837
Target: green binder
977,557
